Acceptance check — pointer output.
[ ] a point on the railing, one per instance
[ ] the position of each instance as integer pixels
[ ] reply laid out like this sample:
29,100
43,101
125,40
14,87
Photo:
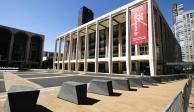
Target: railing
181,101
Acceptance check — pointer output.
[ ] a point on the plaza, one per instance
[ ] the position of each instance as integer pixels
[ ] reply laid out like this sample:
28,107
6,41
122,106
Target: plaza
137,99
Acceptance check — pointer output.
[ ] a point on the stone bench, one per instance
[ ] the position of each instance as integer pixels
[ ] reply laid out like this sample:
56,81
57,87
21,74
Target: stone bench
148,81
135,82
176,78
103,87
171,78
157,79
120,83
183,77
21,99
164,79
74,92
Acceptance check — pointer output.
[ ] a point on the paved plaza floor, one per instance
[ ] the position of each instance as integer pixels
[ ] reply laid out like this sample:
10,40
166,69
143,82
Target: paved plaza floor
148,99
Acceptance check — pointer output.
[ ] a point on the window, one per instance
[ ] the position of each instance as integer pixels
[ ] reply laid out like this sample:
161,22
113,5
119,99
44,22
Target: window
92,45
191,15
102,43
115,40
143,49
187,15
123,30
82,46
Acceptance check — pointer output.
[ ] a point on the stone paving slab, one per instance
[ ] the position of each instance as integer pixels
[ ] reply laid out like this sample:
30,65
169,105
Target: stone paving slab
2,86
1,76
39,75
35,73
57,81
11,79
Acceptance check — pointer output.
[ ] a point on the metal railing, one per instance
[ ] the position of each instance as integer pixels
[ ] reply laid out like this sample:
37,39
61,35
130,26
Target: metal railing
181,101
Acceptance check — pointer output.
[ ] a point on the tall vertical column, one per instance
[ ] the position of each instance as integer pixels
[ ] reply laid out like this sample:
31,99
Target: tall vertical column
128,43
27,52
97,47
110,45
86,50
70,50
137,50
66,47
59,55
11,49
151,41
64,50
55,55
77,49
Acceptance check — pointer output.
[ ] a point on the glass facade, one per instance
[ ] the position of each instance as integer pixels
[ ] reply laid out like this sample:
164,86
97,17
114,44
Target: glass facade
102,43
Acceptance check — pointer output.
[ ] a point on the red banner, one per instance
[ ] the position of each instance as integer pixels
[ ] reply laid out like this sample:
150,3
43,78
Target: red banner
139,25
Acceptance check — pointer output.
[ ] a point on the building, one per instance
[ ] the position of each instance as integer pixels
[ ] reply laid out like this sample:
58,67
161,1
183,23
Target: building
132,39
47,55
85,15
183,28
19,48
47,62
174,12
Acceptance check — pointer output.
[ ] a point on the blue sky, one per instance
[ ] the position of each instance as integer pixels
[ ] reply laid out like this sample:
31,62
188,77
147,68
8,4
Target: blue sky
53,17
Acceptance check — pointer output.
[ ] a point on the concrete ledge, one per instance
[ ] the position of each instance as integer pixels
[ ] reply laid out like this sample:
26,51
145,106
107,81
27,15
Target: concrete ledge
121,83
103,87
148,81
21,99
74,92
135,82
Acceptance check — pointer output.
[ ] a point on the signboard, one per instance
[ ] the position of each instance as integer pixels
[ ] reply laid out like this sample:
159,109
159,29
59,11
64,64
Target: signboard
139,25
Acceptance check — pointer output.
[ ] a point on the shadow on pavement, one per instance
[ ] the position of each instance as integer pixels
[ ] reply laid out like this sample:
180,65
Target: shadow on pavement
40,108
116,94
132,89
90,101
145,86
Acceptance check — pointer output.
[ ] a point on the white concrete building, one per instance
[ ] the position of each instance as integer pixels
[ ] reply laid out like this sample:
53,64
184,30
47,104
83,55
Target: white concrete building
183,32
130,40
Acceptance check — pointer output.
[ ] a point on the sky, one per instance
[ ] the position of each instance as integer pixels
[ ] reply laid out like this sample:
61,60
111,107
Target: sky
54,17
